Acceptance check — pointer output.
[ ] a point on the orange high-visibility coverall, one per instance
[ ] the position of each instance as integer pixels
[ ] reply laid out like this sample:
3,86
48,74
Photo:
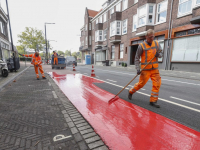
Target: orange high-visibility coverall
55,58
36,61
146,53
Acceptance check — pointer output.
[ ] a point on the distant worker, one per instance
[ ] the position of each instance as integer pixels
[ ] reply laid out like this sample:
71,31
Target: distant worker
55,56
36,61
147,50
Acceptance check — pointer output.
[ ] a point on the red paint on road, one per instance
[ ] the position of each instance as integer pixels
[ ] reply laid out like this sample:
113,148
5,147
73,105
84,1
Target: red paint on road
122,125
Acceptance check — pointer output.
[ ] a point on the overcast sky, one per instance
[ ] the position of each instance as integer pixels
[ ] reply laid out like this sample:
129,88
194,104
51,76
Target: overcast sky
67,14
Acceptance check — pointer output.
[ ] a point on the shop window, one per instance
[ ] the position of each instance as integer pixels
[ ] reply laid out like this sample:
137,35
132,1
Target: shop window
100,55
186,49
194,31
185,7
182,33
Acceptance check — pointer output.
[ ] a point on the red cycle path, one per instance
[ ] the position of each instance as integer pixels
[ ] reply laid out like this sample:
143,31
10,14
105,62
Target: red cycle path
122,125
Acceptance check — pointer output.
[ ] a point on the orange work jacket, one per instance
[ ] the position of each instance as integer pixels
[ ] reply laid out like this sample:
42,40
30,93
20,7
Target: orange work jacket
55,55
147,54
35,60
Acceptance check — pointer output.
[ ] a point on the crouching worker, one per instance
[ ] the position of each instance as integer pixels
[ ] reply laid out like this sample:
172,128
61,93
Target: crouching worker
146,51
36,61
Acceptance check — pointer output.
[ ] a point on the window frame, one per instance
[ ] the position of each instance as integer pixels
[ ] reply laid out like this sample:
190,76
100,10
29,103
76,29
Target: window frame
97,21
86,40
157,13
135,1
85,27
112,52
153,14
90,26
116,28
142,16
126,20
90,40
134,22
105,17
100,19
186,13
125,5
105,34
112,10
118,6
98,36
121,50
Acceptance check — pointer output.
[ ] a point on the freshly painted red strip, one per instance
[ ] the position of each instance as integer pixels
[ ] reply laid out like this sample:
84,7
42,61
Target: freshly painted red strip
122,125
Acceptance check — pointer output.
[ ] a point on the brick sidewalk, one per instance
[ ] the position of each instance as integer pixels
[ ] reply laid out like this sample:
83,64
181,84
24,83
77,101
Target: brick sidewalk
34,112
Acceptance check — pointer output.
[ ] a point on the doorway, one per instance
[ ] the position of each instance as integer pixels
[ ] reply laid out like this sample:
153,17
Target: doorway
132,54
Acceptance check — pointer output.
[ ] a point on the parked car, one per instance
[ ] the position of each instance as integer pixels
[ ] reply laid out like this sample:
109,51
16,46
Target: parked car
70,60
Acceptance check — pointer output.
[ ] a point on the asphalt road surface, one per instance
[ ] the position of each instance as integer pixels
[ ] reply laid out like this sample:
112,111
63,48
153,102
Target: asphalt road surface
179,98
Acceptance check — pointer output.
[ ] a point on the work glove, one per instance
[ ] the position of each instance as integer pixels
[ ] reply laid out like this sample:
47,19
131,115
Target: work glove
157,54
138,72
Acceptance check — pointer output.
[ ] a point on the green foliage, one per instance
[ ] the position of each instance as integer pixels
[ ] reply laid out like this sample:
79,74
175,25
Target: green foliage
68,53
75,55
61,53
20,50
123,64
31,37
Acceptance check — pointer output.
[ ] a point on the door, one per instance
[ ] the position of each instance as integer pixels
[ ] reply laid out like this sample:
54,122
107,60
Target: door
133,53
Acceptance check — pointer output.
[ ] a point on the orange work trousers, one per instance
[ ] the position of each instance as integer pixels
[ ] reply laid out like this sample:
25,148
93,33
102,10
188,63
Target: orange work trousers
41,71
156,81
55,61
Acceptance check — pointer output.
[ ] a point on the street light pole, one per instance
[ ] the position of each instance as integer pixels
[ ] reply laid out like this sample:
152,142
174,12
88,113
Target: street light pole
46,40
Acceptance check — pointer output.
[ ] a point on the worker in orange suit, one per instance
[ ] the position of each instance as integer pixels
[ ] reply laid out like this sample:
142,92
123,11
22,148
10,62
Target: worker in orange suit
36,61
146,51
55,55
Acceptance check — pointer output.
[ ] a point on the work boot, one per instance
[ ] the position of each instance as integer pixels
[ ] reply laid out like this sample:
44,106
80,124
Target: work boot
38,78
43,77
129,95
154,104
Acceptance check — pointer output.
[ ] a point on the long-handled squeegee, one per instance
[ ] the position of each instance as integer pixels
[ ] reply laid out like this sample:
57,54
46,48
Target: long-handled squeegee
116,97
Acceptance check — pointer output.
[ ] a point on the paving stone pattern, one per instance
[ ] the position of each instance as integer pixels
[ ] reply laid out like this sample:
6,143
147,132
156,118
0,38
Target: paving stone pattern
31,116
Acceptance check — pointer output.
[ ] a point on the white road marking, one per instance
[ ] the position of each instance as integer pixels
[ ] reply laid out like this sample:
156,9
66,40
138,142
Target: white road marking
180,82
54,94
49,83
192,76
111,80
41,90
184,100
162,99
85,73
140,89
97,76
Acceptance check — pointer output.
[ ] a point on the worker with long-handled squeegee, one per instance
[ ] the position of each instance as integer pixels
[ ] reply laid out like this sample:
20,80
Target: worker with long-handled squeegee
149,51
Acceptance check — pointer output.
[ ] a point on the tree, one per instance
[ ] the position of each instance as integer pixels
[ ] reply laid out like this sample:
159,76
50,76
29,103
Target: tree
68,53
20,50
31,37
61,53
75,55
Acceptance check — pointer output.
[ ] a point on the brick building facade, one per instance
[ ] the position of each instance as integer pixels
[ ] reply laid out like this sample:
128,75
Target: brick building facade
5,50
113,33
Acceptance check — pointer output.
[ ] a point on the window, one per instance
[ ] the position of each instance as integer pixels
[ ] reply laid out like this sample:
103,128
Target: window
90,40
186,49
100,55
125,4
118,7
111,11
134,22
98,35
150,18
100,19
162,11
135,1
97,21
113,52
86,27
104,18
121,50
105,34
90,26
185,7
124,27
115,28
142,16
85,40
198,2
